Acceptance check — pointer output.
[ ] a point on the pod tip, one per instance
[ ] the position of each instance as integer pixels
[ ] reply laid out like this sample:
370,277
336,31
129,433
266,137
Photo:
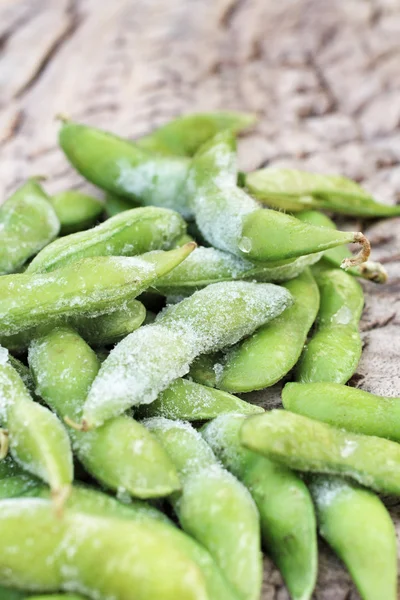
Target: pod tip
62,117
362,256
82,426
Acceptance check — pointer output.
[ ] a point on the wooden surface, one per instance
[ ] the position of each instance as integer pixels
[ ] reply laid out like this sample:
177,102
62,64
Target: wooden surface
323,76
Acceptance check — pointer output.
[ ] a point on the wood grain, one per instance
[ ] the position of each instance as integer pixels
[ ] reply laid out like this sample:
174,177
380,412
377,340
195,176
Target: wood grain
322,76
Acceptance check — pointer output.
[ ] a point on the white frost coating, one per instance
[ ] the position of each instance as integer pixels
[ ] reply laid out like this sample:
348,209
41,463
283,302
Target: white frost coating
160,183
349,447
343,316
326,490
3,355
220,215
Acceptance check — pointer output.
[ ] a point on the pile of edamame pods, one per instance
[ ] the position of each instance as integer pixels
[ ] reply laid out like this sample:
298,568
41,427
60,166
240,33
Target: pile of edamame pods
129,469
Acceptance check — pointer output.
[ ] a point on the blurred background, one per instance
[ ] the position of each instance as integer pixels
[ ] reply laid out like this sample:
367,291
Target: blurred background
323,77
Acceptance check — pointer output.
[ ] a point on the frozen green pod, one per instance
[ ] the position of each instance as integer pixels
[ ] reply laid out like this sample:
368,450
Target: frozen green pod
184,135
134,232
294,190
27,223
370,270
24,372
213,506
231,220
115,205
288,525
14,481
148,360
333,352
123,168
76,211
190,401
121,454
38,441
357,526
307,445
271,352
91,287
345,407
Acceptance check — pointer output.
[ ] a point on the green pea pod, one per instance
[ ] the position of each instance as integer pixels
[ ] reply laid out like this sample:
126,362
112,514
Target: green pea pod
357,526
100,556
293,190
134,232
121,454
373,271
184,135
209,265
213,507
115,205
76,211
287,519
307,445
345,407
38,441
123,168
92,286
27,223
333,352
102,330
272,351
231,220
148,360
189,401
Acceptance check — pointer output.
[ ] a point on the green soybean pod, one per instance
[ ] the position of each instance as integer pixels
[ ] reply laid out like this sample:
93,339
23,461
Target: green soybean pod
133,232
209,265
272,351
27,223
94,554
213,506
121,454
287,519
185,134
24,372
294,190
333,352
231,220
372,271
76,211
92,286
148,360
38,441
115,204
357,526
189,401
56,597
345,407
14,481
123,168
307,445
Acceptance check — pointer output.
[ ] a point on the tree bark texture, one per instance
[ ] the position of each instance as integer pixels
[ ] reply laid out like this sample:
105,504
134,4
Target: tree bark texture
323,77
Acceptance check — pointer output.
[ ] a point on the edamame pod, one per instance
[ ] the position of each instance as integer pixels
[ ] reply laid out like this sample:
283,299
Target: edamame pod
56,597
189,401
231,220
357,526
76,211
102,330
373,271
271,352
121,454
333,352
294,190
345,407
92,286
14,481
27,223
307,445
134,232
115,205
100,556
287,519
148,360
213,506
184,135
123,168
24,372
209,265
38,441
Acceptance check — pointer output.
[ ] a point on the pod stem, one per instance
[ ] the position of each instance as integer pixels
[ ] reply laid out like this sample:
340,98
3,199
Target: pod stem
362,255
373,271
4,443
82,426
60,496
